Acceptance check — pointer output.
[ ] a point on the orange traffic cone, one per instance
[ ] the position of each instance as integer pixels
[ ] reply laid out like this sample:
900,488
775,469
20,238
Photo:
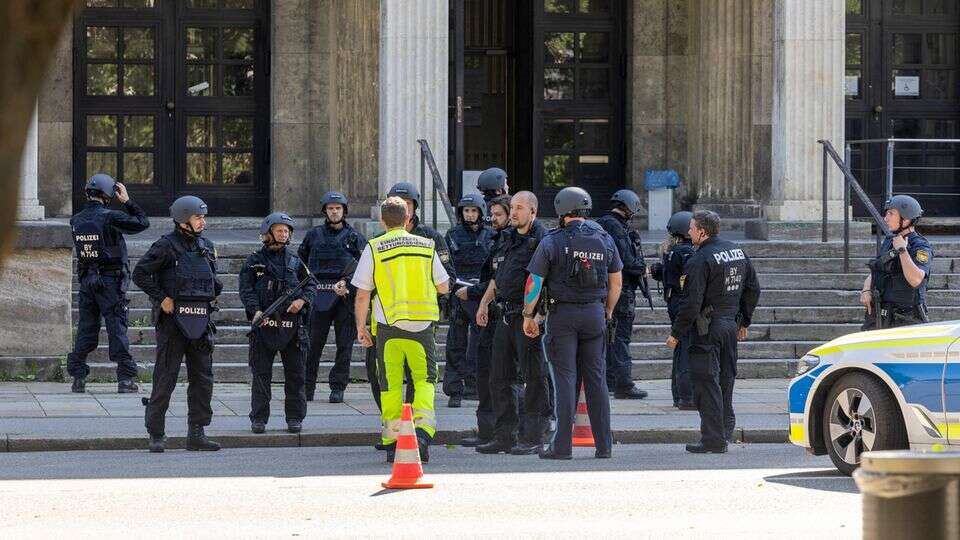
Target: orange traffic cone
407,471
582,432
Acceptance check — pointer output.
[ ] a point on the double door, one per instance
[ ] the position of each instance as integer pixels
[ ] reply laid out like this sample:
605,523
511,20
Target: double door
171,98
902,62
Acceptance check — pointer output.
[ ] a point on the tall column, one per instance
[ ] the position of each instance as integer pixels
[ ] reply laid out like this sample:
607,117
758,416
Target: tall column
414,57
28,206
807,105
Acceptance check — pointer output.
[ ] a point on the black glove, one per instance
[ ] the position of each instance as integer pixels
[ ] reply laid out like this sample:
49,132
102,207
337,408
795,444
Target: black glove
611,330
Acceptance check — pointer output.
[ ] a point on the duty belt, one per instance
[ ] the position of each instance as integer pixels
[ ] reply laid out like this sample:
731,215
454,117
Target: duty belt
509,309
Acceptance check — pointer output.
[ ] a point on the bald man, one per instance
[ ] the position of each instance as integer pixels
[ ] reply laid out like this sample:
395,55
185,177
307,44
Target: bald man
515,433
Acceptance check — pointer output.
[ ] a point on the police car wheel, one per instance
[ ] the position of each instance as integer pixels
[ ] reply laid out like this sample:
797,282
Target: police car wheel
860,415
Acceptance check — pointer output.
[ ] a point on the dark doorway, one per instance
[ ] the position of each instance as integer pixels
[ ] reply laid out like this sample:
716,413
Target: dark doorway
902,61
537,87
171,98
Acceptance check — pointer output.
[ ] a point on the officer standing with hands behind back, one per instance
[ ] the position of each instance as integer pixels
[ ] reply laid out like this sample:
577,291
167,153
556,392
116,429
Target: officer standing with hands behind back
719,293
179,274
580,268
901,272
103,275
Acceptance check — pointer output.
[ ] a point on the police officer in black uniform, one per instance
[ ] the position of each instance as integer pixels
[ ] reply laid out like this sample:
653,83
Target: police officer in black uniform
579,266
469,242
514,351
331,251
498,215
619,364
492,183
179,274
674,255
104,277
719,293
900,274
266,276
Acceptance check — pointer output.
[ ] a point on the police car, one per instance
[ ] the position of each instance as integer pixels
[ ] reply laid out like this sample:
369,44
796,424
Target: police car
885,389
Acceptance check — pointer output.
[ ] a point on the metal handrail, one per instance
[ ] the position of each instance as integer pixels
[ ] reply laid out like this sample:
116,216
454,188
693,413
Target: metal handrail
861,141
427,161
850,181
891,143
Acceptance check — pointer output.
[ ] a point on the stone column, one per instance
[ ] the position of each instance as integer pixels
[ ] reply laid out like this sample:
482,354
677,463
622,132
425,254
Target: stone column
808,104
28,206
414,57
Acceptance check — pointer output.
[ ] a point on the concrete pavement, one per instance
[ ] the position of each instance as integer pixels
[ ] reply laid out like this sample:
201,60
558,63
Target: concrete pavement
47,416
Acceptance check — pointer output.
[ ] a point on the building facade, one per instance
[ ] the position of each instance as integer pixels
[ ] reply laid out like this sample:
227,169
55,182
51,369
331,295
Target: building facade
260,105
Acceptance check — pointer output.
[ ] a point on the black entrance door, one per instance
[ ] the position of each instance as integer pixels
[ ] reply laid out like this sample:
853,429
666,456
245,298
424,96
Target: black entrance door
902,63
171,98
578,98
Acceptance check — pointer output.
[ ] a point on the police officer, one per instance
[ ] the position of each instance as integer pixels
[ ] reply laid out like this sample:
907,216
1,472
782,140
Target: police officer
619,364
719,293
103,275
268,275
469,242
492,183
499,217
331,251
674,253
579,266
514,351
179,274
900,274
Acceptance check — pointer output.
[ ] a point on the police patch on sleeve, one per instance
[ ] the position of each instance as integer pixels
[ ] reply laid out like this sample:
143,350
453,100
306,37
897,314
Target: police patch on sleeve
683,279
923,256
444,256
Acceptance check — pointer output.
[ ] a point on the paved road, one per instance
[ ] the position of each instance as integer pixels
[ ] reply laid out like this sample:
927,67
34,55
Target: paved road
645,491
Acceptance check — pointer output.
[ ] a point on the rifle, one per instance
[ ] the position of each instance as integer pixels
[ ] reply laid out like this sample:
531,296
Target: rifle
644,284
277,304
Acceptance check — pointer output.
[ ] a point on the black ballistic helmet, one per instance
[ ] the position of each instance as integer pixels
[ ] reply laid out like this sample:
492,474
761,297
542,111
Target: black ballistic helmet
333,197
572,200
629,200
406,191
908,207
492,179
101,185
474,200
185,207
274,219
679,224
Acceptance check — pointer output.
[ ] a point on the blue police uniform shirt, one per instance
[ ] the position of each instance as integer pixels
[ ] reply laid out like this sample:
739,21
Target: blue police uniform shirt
554,255
894,287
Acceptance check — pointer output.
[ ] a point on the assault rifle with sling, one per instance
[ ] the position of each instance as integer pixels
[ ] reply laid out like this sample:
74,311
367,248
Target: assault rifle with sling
284,300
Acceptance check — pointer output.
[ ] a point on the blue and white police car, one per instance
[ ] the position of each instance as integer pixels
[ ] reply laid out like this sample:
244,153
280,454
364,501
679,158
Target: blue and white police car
887,389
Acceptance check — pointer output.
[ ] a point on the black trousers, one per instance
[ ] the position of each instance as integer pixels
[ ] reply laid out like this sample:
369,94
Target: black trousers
108,301
713,370
460,371
172,348
575,343
345,330
486,419
515,355
261,367
619,363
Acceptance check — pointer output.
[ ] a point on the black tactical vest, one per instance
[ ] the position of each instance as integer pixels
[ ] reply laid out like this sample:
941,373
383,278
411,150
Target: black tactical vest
582,275
469,250
90,241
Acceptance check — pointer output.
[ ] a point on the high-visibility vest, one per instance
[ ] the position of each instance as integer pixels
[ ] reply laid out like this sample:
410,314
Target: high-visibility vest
403,275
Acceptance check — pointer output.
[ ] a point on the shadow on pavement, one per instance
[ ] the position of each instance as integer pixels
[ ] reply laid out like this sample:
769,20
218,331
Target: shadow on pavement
820,480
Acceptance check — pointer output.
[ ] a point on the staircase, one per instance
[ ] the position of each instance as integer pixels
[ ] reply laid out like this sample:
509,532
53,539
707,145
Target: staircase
806,301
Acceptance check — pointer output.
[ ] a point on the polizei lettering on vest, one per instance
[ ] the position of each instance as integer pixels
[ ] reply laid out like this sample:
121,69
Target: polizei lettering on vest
273,323
87,237
729,255
187,310
587,255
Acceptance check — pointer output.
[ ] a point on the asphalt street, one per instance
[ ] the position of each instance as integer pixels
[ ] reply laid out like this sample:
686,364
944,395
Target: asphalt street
644,491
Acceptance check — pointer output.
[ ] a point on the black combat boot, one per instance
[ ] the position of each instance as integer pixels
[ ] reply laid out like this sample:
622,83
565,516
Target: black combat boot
294,426
258,426
196,440
336,396
495,446
157,443
127,386
630,393
79,385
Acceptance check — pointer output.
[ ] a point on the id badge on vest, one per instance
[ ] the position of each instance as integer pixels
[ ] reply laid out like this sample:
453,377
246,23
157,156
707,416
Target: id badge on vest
325,298
193,318
276,332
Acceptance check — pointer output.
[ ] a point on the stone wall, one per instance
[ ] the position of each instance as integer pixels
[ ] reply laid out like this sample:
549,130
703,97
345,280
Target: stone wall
55,131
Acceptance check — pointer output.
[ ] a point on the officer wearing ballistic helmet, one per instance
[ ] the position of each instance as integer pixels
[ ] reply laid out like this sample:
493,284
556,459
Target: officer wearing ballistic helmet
579,267
469,242
619,364
492,183
331,251
268,275
104,276
674,253
179,274
900,274
719,293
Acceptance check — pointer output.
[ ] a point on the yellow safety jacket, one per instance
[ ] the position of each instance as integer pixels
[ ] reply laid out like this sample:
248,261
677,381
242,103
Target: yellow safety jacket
403,275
